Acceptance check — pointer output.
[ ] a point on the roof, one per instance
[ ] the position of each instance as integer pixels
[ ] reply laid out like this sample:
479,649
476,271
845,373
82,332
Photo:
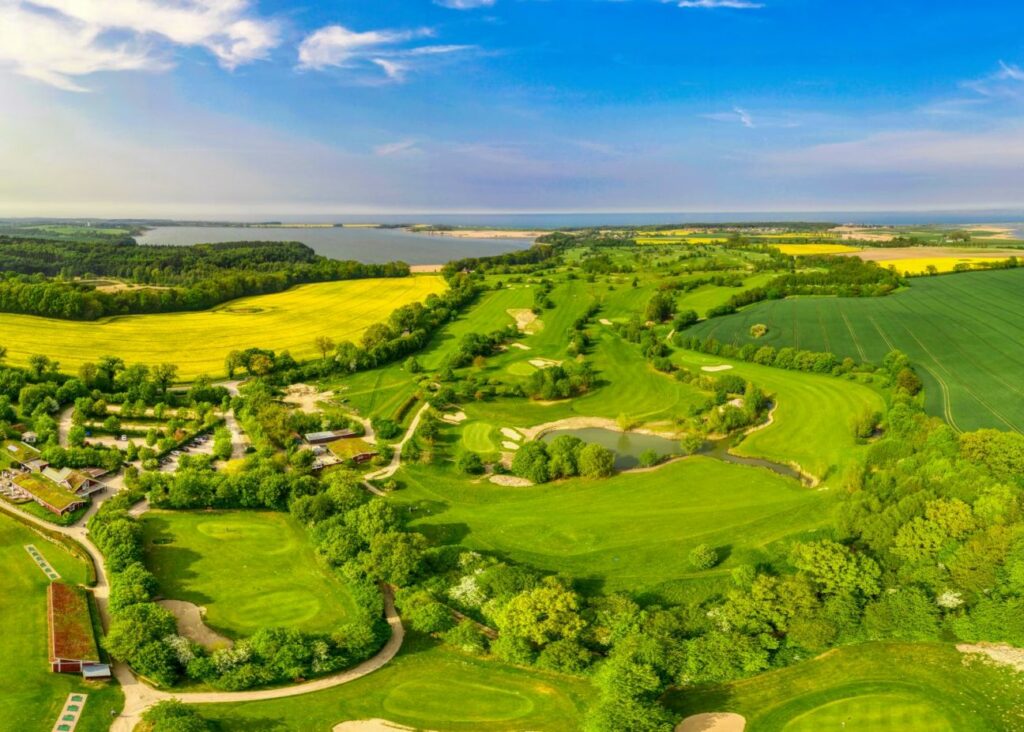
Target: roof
70,622
350,448
96,671
20,451
74,479
47,491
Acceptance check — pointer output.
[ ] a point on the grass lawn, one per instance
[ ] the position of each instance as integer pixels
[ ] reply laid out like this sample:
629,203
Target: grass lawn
812,421
632,532
961,331
285,321
881,687
249,569
426,687
31,696
476,436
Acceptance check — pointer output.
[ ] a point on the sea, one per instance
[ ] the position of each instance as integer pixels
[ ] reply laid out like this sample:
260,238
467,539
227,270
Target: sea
389,244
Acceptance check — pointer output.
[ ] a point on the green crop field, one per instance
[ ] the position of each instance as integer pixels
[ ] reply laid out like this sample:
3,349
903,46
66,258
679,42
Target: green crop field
31,696
249,569
962,331
881,687
426,687
629,532
199,342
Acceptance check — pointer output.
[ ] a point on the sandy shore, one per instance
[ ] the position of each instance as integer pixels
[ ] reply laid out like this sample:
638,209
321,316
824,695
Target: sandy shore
484,233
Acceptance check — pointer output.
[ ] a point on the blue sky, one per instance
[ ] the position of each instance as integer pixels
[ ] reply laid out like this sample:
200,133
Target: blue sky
211,108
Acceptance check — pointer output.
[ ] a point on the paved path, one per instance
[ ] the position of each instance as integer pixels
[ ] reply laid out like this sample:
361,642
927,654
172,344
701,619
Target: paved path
139,696
396,459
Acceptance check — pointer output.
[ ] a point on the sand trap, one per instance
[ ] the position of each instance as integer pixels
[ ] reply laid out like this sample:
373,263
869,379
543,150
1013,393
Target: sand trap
543,363
521,346
1000,654
456,418
371,725
713,722
511,434
306,397
508,445
604,321
510,481
192,626
713,369
526,319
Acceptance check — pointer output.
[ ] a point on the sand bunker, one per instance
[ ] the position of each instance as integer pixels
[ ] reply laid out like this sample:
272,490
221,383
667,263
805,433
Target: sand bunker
543,363
521,346
604,321
713,722
526,319
511,434
1000,654
714,369
509,445
456,418
306,397
192,626
510,481
372,725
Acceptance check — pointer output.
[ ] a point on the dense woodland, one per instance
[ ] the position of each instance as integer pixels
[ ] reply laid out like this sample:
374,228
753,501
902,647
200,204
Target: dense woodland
59,279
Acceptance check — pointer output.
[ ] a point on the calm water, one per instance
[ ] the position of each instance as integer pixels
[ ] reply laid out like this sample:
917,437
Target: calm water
628,446
364,245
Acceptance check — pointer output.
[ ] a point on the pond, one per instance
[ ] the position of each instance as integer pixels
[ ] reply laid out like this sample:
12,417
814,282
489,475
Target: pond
628,446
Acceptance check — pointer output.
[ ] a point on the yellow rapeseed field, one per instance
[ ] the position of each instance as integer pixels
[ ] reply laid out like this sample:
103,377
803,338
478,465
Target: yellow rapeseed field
199,342
919,265
811,249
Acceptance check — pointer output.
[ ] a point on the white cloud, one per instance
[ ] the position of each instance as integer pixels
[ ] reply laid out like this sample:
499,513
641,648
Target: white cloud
738,114
56,41
339,47
464,4
710,4
911,152
395,148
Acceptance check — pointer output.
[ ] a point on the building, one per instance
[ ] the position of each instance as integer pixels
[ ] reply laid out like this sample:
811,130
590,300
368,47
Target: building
25,456
322,438
75,481
72,642
51,496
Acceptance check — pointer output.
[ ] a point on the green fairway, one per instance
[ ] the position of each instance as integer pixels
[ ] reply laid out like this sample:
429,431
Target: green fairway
812,422
285,321
632,532
249,569
962,331
426,687
881,687
31,696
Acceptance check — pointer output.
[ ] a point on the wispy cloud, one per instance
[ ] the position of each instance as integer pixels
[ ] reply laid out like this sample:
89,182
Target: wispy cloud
58,41
738,114
395,148
388,50
464,4
711,4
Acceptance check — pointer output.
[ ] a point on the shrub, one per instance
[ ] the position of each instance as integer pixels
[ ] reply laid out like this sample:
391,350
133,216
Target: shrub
596,461
470,463
703,557
758,330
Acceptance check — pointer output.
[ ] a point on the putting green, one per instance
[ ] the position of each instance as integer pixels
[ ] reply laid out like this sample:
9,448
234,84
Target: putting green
476,436
249,569
521,368
877,712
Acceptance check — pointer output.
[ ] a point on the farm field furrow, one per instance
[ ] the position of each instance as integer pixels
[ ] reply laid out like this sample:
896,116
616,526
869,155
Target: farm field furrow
964,331
198,342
